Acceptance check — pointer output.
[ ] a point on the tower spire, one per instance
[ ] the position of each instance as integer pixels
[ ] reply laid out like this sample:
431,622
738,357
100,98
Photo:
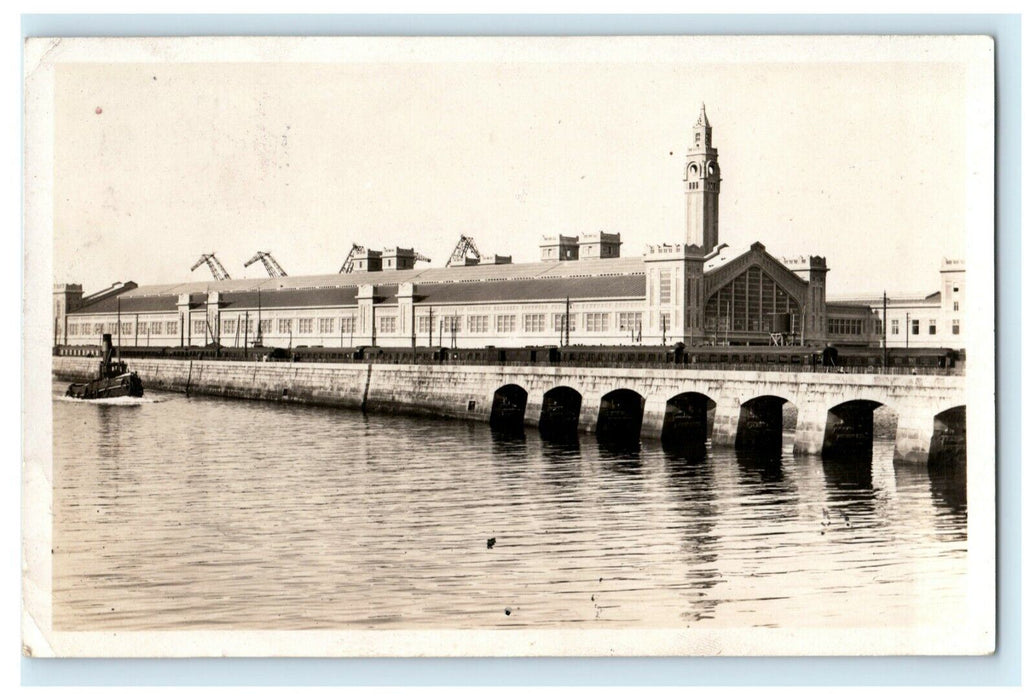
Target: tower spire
702,118
702,187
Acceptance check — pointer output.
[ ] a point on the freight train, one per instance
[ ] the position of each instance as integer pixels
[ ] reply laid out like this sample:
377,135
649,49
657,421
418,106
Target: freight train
740,357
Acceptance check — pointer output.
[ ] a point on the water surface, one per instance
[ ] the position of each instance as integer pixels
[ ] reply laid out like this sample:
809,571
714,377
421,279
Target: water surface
178,512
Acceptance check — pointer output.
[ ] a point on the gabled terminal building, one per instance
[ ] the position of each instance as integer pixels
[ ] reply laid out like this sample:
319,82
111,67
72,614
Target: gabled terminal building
582,292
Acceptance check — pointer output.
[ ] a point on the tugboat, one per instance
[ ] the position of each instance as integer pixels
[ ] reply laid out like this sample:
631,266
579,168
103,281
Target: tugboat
112,378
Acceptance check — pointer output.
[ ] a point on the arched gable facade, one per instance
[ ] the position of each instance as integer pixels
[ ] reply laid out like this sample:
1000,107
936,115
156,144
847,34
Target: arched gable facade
746,298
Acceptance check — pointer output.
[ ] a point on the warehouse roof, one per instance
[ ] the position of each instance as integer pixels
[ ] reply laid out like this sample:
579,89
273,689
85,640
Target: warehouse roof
606,278
551,284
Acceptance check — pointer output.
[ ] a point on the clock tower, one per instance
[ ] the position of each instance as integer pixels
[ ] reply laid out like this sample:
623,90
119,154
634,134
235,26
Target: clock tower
701,178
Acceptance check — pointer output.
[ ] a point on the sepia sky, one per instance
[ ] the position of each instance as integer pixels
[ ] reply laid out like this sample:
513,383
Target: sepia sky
156,163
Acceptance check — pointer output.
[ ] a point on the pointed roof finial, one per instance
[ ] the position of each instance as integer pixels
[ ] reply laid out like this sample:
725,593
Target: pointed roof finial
702,119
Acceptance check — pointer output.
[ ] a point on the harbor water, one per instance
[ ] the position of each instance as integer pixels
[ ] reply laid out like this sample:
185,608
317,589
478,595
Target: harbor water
174,512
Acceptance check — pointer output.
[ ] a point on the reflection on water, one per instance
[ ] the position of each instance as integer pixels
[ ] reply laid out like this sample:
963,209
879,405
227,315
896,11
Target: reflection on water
208,513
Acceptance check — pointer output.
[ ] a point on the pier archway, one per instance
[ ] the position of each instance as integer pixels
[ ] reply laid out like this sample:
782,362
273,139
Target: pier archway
620,416
688,420
559,417
760,426
508,408
849,429
949,439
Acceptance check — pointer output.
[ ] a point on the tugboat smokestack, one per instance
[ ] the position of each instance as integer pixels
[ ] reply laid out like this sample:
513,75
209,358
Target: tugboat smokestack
106,349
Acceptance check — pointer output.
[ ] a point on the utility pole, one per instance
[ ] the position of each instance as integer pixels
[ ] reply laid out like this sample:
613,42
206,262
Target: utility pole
884,329
664,337
908,330
430,329
567,321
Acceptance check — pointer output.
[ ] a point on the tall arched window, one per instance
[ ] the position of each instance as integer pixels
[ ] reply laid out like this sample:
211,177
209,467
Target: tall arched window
749,303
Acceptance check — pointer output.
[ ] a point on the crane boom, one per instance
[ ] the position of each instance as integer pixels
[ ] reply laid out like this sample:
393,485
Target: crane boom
215,267
273,268
350,259
465,248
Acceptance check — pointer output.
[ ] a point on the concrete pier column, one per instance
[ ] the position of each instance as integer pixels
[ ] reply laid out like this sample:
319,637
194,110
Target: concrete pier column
534,407
590,412
727,418
812,426
653,416
913,437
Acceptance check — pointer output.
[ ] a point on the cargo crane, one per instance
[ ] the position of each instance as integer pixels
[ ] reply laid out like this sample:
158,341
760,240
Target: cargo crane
273,268
218,271
350,259
420,258
465,249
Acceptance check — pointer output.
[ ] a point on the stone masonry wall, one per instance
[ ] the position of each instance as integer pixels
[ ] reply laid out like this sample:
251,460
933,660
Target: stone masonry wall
462,391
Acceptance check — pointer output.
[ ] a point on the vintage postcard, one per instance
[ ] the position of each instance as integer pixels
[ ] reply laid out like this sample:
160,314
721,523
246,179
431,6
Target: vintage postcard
509,346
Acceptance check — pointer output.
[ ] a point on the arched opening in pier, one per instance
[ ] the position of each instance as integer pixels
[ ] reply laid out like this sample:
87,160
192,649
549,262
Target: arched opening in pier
760,425
949,439
559,418
620,416
688,422
508,409
849,430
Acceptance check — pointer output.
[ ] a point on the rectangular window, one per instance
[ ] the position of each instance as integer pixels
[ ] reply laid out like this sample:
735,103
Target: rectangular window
666,322
229,326
98,328
326,326
284,325
478,324
386,324
266,325
156,327
665,293
629,320
423,324
505,324
305,326
894,326
596,322
932,328
914,328
199,327
72,328
558,322
535,323
955,306
172,327
878,326
955,326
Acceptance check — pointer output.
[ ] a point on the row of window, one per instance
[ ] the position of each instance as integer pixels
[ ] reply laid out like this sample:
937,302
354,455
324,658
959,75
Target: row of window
502,324
914,326
143,328
845,326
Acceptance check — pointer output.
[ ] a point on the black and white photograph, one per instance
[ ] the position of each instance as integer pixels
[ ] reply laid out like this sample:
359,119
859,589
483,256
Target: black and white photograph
544,346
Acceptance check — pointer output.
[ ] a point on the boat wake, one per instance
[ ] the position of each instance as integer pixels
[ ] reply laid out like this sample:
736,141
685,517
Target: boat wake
116,400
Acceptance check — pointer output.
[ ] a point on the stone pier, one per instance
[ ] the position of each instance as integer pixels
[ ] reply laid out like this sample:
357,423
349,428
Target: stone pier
834,410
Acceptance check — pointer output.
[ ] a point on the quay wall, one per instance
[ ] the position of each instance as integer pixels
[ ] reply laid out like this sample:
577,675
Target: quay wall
466,391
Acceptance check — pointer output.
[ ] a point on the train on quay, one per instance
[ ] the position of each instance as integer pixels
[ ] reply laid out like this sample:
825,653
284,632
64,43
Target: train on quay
734,357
